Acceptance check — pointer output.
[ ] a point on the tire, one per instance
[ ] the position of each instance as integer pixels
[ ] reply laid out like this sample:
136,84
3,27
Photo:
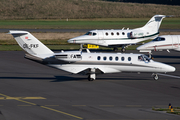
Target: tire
123,50
90,79
155,77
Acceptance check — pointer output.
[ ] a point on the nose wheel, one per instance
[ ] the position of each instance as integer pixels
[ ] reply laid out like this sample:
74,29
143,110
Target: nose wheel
155,76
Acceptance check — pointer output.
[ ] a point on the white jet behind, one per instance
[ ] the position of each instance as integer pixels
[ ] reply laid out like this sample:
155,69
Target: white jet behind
121,37
164,42
86,63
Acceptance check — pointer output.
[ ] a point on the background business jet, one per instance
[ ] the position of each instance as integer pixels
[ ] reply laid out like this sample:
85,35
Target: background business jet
121,37
164,42
86,63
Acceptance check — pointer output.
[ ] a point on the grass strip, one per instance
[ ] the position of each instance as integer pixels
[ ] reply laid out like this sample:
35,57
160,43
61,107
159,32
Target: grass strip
114,23
176,110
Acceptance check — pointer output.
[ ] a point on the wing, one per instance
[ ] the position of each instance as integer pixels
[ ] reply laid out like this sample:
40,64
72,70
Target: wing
86,69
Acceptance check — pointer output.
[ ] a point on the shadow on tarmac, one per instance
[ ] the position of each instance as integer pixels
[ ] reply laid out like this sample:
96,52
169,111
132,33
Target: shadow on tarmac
67,78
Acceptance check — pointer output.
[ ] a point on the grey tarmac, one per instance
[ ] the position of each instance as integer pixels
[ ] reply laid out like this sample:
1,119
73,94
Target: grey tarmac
32,91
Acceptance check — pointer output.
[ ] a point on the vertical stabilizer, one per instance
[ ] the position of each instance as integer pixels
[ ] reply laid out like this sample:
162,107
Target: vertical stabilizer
154,23
31,44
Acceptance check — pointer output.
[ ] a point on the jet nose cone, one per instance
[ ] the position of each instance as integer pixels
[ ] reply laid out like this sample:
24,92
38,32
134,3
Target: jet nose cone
71,41
172,69
141,47
169,68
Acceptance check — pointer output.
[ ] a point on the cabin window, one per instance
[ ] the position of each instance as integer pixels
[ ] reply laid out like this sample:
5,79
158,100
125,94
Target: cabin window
144,58
94,34
117,33
110,58
104,58
112,33
129,58
98,58
116,58
140,58
106,34
159,39
89,33
123,33
122,58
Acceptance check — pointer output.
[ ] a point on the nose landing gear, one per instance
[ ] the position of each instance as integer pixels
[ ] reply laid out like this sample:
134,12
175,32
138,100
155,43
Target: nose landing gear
155,76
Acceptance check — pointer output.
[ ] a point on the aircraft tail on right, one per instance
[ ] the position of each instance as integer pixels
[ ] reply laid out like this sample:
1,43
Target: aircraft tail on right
154,23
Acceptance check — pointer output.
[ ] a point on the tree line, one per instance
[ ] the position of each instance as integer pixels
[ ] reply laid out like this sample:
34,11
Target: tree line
166,2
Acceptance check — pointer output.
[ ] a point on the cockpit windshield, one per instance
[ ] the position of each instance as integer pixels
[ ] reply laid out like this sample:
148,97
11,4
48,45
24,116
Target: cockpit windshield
91,33
144,58
159,39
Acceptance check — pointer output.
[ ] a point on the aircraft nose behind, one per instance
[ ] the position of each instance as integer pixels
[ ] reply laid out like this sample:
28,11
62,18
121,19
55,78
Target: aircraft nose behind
142,47
72,41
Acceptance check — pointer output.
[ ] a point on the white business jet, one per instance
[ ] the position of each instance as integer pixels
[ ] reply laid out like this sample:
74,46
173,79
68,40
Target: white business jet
87,63
164,42
121,37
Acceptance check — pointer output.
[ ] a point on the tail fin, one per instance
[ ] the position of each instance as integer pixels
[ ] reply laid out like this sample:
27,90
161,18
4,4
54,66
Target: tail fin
30,44
154,23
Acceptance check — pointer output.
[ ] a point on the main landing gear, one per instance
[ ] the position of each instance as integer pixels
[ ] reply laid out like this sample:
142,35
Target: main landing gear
92,75
155,76
122,50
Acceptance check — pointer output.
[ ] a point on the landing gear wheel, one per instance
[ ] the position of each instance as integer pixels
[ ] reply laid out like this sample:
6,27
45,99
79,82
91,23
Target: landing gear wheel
155,77
90,79
150,55
123,50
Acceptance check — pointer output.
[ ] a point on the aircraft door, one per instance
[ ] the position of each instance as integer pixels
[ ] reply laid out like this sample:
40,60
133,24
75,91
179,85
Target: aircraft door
100,37
175,42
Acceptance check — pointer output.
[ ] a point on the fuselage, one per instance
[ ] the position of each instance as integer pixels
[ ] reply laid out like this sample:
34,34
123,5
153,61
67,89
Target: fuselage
165,42
114,37
109,63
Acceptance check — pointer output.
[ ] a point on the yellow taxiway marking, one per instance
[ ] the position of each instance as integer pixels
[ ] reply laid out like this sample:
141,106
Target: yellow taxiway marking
61,112
20,100
51,105
24,98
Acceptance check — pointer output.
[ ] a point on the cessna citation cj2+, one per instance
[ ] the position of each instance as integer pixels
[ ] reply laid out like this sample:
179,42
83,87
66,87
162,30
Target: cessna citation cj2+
164,42
87,63
121,38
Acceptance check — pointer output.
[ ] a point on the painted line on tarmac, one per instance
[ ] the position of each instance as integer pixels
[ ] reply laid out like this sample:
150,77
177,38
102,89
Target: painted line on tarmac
25,98
48,108
61,112
51,105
